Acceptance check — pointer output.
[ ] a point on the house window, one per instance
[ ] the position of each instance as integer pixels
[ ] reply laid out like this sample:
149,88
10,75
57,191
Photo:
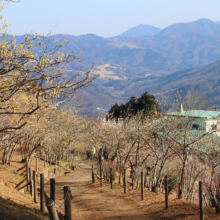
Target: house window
195,127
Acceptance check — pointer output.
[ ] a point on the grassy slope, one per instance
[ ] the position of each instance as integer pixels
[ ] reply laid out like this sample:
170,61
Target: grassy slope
17,205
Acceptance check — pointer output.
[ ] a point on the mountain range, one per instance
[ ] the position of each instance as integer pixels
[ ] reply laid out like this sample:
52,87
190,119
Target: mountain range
141,31
146,58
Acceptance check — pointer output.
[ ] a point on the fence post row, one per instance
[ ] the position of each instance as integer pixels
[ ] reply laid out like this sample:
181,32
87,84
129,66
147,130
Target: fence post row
201,201
111,180
35,186
67,198
36,163
27,173
101,174
42,192
125,181
44,160
52,189
51,209
166,192
31,181
142,185
93,176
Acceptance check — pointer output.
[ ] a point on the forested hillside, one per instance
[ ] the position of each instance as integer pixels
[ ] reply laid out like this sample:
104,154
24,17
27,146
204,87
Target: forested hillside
132,65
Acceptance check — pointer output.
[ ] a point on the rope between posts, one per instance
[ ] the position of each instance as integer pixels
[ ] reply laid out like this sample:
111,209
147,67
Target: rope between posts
59,206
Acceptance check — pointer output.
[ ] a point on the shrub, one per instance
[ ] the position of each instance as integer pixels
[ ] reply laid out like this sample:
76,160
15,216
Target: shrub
89,154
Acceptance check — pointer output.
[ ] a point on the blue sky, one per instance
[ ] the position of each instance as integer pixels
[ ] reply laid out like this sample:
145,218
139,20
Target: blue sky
103,17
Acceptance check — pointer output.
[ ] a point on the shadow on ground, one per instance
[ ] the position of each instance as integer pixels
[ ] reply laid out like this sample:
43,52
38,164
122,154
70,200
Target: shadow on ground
14,211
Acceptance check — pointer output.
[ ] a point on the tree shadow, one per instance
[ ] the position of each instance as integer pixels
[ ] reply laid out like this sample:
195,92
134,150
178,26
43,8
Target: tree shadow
14,211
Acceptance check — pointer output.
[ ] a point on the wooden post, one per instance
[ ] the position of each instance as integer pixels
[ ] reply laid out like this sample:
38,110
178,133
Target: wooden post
51,209
27,174
125,181
101,181
201,201
36,164
54,172
180,192
35,186
119,177
67,197
2,215
93,176
44,160
166,192
42,192
55,160
142,186
31,182
111,180
50,159
52,189
106,174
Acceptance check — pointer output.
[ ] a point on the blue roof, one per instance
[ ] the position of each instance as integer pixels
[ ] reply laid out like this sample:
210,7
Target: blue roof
197,114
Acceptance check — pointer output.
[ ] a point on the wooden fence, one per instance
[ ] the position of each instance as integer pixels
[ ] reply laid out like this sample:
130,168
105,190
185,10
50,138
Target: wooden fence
166,186
32,177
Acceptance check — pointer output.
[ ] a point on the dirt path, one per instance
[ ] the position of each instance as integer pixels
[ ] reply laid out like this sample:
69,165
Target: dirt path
88,202
91,201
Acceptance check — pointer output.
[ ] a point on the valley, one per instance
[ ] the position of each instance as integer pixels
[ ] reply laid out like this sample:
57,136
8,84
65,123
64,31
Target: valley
177,58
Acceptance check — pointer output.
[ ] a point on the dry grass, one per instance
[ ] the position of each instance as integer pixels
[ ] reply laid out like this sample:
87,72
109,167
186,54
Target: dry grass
154,205
17,205
107,73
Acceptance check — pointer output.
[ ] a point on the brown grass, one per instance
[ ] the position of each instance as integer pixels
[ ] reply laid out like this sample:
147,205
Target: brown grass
154,205
17,205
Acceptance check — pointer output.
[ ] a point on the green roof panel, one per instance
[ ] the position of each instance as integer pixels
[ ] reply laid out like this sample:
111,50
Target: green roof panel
197,114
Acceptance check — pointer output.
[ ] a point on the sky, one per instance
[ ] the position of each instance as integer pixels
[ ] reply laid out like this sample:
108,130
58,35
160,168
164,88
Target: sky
105,18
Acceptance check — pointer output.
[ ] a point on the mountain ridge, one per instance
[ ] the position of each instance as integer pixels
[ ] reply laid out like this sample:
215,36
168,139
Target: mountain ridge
141,30
129,66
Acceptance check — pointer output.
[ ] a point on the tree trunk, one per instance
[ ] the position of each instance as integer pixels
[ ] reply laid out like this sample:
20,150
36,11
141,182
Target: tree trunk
182,180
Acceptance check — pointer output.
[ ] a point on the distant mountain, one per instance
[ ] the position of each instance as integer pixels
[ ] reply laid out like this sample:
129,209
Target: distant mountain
129,66
218,22
205,78
141,31
202,26
192,44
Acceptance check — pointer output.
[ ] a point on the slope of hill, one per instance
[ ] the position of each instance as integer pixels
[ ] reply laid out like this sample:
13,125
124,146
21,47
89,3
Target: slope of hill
205,78
202,26
141,30
132,65
193,44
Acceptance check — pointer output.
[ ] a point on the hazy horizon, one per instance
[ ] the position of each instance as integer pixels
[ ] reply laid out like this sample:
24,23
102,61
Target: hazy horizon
106,19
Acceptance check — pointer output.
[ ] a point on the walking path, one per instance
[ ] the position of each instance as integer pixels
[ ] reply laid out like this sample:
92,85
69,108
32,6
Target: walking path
90,203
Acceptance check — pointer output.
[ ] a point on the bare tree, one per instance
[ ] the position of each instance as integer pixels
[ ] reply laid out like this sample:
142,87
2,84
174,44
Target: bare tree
194,100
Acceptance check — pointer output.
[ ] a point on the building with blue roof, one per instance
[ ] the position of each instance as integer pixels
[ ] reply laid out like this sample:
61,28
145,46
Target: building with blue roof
200,119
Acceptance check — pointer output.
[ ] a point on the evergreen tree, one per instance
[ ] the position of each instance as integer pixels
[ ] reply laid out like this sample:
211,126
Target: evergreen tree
145,103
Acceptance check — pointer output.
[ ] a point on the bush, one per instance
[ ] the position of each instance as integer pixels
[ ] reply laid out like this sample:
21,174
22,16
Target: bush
89,154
